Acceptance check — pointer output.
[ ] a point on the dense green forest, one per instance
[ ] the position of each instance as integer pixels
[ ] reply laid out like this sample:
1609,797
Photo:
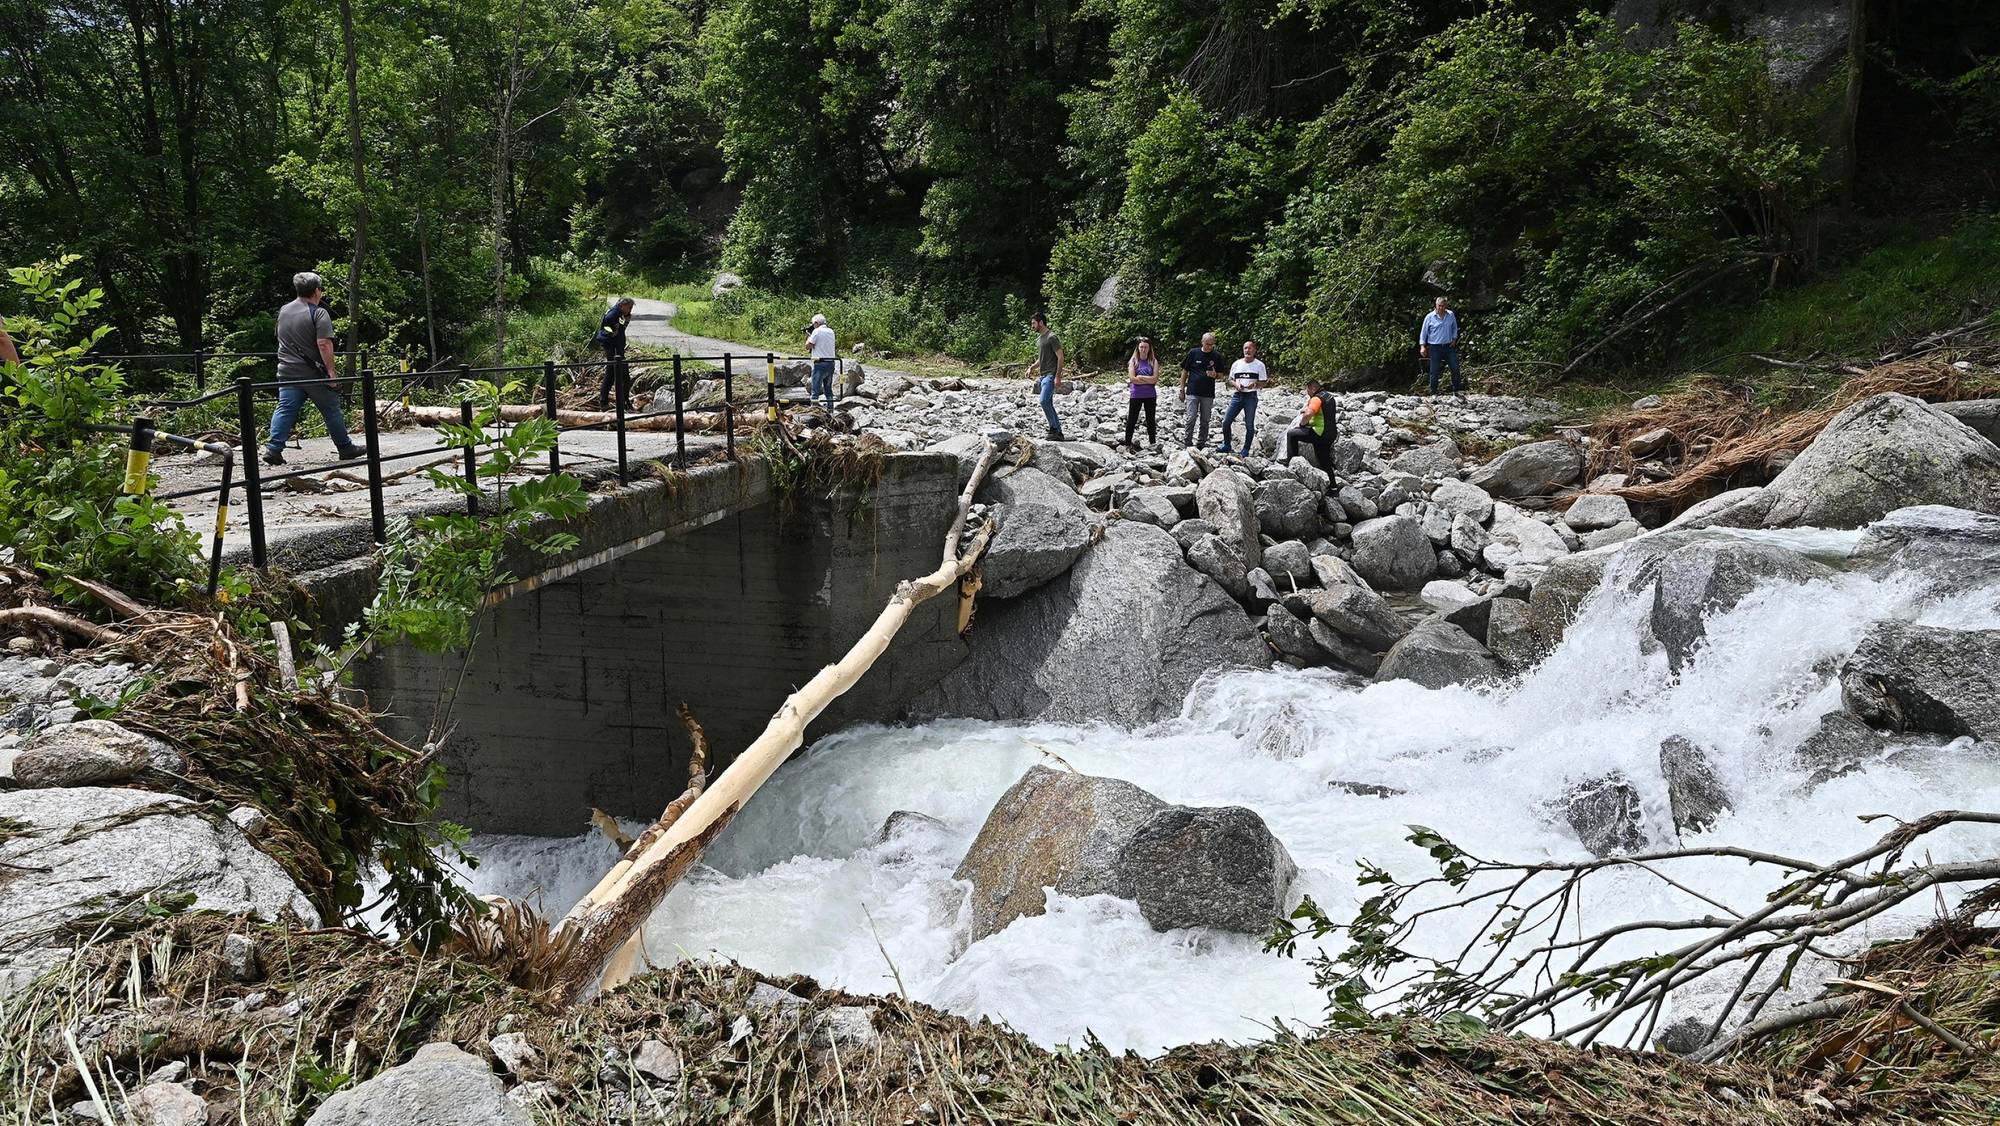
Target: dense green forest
1591,186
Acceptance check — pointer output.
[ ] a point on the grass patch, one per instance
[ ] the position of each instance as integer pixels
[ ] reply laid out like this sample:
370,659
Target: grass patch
1901,291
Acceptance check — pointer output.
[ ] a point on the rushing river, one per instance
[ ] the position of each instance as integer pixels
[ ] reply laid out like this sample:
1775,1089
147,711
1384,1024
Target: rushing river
800,884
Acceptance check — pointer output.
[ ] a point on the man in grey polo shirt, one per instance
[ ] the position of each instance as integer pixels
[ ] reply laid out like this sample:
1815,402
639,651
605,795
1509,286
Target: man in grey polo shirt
305,351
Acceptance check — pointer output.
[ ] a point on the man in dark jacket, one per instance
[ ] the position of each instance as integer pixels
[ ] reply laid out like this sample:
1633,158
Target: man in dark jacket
1314,426
611,337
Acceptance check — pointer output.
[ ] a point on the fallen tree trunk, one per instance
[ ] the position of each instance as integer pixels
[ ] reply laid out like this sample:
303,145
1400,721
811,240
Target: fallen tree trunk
747,418
602,921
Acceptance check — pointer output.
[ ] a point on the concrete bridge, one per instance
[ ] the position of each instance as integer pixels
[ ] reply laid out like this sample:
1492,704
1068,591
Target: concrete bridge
710,587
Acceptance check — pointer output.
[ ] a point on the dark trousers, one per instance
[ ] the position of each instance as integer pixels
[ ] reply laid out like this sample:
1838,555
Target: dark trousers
614,376
1132,418
1322,445
1442,354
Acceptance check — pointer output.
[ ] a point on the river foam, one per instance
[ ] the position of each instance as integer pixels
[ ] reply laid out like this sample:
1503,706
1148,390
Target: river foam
800,883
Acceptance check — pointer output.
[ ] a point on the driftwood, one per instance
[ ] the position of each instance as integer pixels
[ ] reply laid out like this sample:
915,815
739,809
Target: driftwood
748,417
605,920
56,619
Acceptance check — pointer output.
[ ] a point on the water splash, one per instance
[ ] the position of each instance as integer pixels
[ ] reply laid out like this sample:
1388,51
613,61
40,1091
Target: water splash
800,883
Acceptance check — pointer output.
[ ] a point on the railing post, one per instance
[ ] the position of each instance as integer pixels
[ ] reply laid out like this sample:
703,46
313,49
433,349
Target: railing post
549,402
221,524
253,496
770,387
371,435
618,408
139,457
729,403
200,371
471,456
680,415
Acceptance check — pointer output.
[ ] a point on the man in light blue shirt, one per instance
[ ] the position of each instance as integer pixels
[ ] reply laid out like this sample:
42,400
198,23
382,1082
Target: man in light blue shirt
1437,342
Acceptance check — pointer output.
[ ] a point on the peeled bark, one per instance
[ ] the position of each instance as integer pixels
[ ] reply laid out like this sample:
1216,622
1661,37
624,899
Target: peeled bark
704,421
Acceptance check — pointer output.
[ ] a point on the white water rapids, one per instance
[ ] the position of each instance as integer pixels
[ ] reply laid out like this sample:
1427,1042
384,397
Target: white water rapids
798,884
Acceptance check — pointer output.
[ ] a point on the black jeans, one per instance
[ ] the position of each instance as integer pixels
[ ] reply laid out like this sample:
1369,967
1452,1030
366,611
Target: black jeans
1322,445
1132,418
614,376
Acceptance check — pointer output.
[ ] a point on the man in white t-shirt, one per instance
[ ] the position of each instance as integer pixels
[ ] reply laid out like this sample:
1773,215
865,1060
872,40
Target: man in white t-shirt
819,345
1246,376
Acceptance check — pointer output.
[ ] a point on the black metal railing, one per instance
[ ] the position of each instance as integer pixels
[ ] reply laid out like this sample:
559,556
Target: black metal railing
253,481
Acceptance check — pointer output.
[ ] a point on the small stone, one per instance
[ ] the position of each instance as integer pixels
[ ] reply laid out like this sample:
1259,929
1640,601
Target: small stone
1651,442
166,1104
515,1053
765,997
1595,511
239,958
175,1072
846,1028
656,1061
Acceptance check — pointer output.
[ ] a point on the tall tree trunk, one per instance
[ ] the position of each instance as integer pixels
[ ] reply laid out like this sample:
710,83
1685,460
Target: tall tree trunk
503,173
360,180
424,268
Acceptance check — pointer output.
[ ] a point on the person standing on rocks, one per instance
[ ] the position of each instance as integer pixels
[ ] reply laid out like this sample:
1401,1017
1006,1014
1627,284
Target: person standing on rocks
611,337
1142,375
1246,377
1314,426
305,353
1049,362
1437,343
820,346
1198,371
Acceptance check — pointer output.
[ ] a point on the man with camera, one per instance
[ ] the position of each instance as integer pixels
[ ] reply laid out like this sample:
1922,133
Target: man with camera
305,352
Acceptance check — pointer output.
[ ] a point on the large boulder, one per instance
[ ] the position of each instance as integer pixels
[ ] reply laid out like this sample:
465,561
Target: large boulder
74,853
1286,509
1355,612
1224,499
1519,539
1121,638
1079,835
1696,797
1952,548
1214,867
1909,677
1559,596
1463,499
1843,742
1606,815
1437,654
92,752
1432,459
1393,552
1881,454
1708,577
1292,636
1983,415
1052,829
1044,526
442,1085
1212,556
1152,504
1509,636
1537,469
1808,41
1593,512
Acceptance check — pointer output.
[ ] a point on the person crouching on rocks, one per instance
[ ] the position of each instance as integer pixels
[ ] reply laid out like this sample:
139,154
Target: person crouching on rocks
1314,426
610,336
1142,374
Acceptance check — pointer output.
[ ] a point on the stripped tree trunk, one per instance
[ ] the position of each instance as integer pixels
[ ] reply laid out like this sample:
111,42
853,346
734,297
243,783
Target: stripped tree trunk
521,412
603,921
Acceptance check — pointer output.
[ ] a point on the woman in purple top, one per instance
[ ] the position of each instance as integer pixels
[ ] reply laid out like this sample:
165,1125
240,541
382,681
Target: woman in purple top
1142,373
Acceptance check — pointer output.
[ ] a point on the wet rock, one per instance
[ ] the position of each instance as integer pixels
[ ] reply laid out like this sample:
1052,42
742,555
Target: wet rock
1953,548
91,752
906,821
1392,552
441,1086
1052,829
1881,454
1044,527
1509,636
1706,578
1595,511
1696,797
1358,613
1606,815
1909,677
1216,867
1224,499
1843,742
1437,654
1560,595
1533,470
83,852
1365,789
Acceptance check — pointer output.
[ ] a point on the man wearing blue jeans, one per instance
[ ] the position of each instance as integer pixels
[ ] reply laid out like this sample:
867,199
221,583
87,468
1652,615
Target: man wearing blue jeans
1437,342
1246,376
820,345
305,352
1049,362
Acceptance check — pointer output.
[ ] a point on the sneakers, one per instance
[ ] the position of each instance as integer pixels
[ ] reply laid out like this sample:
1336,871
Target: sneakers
273,457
